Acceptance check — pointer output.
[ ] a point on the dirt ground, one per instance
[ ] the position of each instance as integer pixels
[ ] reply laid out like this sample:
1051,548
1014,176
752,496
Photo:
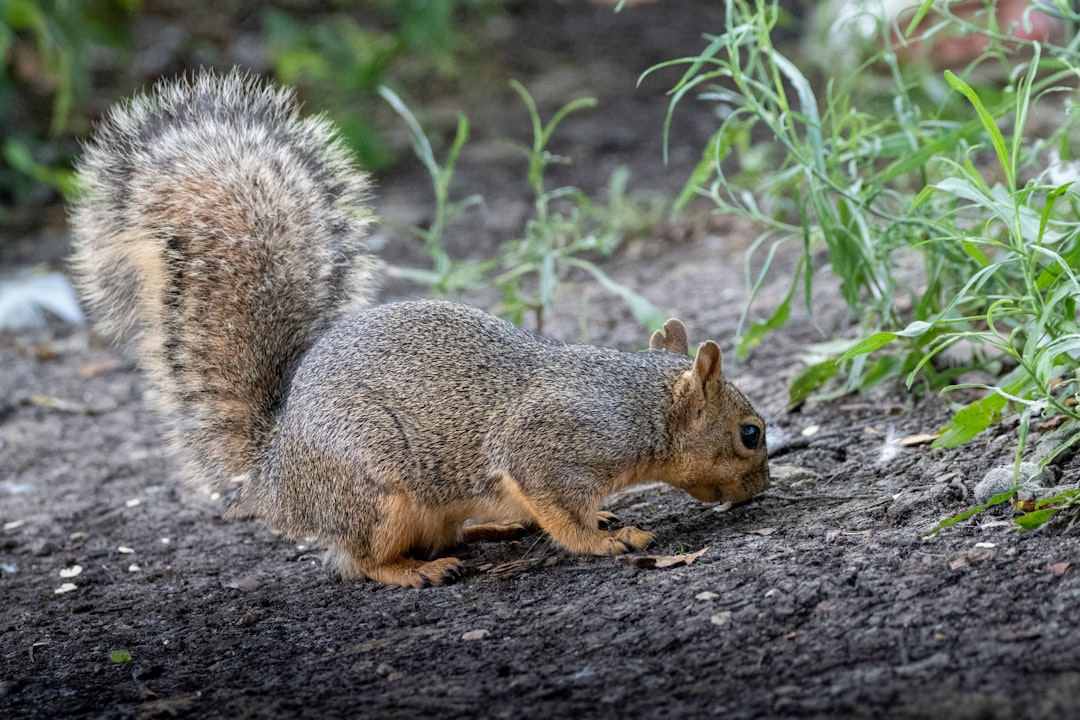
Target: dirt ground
820,598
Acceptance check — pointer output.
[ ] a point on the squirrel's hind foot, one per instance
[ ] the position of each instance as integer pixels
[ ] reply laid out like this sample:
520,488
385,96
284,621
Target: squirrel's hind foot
407,572
417,573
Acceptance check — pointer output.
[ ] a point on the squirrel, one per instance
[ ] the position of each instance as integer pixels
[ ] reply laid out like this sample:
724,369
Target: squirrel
222,234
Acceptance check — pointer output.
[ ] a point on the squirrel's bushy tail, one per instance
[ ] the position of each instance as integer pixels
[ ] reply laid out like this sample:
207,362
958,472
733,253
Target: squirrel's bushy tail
221,233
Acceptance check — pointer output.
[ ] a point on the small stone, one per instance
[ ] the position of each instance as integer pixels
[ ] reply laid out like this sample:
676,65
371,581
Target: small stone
476,635
721,618
706,595
70,572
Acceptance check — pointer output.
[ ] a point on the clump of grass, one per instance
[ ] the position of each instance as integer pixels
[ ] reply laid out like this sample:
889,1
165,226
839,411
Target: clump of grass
566,228
447,275
890,179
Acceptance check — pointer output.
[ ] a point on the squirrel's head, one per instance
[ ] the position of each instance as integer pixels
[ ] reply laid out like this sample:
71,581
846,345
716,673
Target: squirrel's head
718,450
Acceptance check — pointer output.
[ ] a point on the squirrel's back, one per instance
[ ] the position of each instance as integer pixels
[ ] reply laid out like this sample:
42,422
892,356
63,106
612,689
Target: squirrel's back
222,233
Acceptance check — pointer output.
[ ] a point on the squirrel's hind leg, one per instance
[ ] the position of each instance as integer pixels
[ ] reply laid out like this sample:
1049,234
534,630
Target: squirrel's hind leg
417,573
396,570
392,546
581,530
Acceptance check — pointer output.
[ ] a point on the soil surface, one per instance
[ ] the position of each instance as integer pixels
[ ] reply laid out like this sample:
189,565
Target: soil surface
821,598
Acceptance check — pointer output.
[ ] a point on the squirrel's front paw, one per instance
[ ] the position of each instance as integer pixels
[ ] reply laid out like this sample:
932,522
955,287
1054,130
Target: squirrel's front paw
626,539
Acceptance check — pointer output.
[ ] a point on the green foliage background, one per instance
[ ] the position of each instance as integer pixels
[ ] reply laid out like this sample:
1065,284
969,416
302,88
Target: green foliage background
63,61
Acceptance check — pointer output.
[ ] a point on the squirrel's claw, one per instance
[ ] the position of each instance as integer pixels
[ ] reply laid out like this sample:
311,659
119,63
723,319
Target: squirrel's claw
606,520
453,573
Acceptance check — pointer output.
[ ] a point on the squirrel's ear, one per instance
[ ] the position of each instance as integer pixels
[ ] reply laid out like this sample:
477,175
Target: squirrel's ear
709,363
672,338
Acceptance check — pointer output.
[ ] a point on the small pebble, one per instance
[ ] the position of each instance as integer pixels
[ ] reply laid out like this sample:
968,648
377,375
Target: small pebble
476,635
73,571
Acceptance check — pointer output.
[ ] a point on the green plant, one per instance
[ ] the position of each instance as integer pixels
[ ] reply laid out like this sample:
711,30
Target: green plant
566,225
45,72
447,276
342,58
940,217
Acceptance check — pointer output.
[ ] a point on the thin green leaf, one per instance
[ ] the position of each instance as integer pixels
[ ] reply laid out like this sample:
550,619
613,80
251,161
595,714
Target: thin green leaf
757,332
1036,518
644,311
918,16
971,420
869,345
962,516
812,379
989,124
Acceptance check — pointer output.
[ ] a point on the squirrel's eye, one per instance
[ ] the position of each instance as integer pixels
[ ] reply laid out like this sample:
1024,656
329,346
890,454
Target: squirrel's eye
750,436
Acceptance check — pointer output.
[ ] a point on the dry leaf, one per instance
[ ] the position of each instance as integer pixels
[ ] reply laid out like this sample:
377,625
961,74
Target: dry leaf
1059,568
1053,423
1024,506
920,439
1022,635
969,558
60,404
93,369
656,562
